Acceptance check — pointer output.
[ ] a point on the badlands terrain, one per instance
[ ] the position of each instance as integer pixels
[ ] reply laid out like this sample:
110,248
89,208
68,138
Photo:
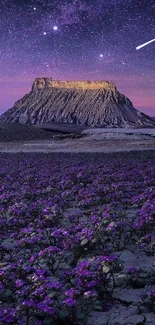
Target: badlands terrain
88,140
88,103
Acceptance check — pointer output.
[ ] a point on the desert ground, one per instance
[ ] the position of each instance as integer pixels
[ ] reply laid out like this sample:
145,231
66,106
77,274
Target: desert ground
90,140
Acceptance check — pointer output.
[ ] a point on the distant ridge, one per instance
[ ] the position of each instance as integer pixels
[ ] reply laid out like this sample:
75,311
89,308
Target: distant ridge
23,132
88,103
19,132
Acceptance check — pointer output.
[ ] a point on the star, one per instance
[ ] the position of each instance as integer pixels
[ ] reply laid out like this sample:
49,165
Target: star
34,8
44,33
101,55
55,27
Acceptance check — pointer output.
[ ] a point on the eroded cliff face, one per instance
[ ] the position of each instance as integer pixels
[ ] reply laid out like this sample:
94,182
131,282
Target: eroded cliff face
95,103
42,83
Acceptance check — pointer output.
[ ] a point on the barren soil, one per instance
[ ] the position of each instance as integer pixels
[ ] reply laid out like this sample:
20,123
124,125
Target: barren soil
87,143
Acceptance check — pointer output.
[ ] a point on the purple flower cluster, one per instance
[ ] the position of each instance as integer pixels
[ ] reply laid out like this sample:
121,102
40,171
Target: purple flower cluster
62,219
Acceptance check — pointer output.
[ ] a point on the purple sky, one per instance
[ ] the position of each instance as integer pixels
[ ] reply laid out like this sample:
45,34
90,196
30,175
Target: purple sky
65,39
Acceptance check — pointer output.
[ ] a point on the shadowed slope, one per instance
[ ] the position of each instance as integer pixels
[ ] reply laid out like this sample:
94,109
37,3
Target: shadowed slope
20,132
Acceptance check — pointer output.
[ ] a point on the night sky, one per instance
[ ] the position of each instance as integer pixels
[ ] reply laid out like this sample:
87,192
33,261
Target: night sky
78,40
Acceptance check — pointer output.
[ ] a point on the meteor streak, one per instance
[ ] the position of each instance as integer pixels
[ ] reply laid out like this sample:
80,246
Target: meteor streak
140,46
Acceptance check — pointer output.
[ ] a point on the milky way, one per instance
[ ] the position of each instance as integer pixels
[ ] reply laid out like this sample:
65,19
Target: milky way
78,39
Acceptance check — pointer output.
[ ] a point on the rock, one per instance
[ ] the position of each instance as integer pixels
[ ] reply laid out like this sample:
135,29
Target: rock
7,257
9,244
128,258
131,213
64,266
84,242
52,278
150,318
133,320
116,316
73,211
137,259
42,83
31,321
7,293
144,310
128,295
69,257
121,280
143,275
99,101
48,321
105,269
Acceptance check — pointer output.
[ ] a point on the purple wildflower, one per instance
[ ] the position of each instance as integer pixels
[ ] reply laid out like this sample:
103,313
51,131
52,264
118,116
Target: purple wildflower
19,283
153,293
131,269
1,286
70,302
91,293
92,284
54,285
71,292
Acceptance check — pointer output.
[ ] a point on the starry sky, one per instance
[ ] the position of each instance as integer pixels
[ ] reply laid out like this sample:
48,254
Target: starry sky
78,40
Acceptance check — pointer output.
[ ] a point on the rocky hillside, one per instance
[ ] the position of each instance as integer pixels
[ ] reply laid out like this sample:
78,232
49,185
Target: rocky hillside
80,102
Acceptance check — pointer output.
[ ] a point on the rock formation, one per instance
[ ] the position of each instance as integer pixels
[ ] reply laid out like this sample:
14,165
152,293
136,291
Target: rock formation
89,103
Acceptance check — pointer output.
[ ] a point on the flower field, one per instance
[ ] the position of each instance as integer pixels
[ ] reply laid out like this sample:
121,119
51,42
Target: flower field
65,219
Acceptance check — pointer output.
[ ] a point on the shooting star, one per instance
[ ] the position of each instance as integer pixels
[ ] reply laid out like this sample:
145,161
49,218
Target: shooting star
140,46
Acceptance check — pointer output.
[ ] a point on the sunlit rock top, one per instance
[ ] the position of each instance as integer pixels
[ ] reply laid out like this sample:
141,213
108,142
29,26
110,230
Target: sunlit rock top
41,83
